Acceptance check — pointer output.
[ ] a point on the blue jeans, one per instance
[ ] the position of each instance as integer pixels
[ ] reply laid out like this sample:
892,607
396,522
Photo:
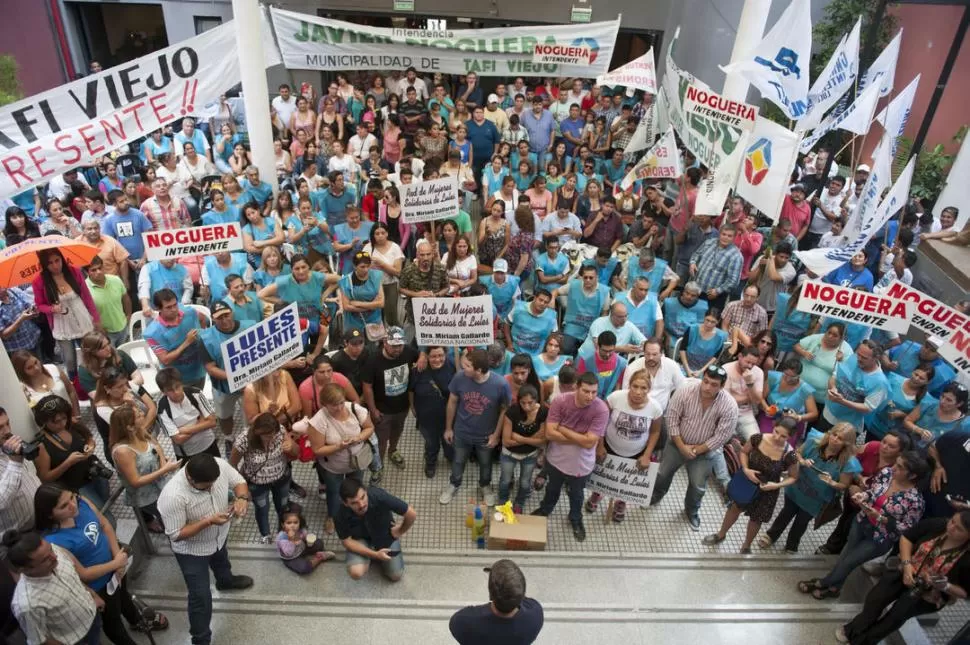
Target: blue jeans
433,443
195,571
93,637
463,449
393,569
698,469
507,465
576,486
98,491
859,549
333,481
280,490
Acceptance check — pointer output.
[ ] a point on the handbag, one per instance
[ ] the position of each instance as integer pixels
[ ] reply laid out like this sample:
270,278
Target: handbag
831,511
742,490
363,458
374,331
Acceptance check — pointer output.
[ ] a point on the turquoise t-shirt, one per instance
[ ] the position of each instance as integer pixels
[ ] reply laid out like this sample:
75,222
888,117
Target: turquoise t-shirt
503,295
544,370
305,295
859,387
793,400
582,309
529,332
878,422
929,419
789,328
366,292
700,350
808,491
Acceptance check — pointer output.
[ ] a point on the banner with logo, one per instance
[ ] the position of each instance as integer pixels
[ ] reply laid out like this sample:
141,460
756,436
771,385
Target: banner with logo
311,42
639,74
562,54
619,478
883,69
857,119
715,187
778,65
895,115
931,316
662,161
845,303
709,104
72,125
263,348
767,164
956,191
197,240
453,321
709,140
835,80
425,201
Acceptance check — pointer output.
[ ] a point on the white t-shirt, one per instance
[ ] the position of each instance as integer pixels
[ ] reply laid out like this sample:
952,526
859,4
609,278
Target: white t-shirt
360,148
392,256
832,203
628,430
668,378
285,108
463,268
346,166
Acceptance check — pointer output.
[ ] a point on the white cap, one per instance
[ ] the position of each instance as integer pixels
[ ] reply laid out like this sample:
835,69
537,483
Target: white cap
492,98
935,342
500,266
863,168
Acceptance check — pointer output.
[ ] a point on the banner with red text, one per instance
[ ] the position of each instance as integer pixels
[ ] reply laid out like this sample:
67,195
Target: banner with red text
661,162
198,240
74,124
702,101
845,303
931,316
639,74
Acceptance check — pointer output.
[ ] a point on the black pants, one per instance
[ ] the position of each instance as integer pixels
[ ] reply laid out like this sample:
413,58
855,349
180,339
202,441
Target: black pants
840,534
871,626
117,606
791,513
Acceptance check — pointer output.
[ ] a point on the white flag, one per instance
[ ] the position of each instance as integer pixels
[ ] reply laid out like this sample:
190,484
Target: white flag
646,131
956,192
856,119
883,69
767,165
895,115
661,162
778,65
881,165
640,74
835,80
714,188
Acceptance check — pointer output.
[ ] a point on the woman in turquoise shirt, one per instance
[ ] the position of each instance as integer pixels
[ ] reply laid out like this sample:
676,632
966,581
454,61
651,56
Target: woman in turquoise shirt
905,394
548,362
927,422
271,266
225,141
302,286
220,213
258,232
819,354
361,295
309,232
789,325
493,175
702,344
234,194
789,395
827,466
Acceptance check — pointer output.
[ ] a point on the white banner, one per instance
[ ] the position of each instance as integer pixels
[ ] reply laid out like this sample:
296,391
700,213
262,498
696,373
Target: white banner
713,190
72,125
767,166
619,478
894,200
856,119
845,303
662,161
639,74
883,69
430,200
562,54
956,191
704,102
453,321
197,240
262,348
778,65
835,80
956,351
311,42
895,115
931,316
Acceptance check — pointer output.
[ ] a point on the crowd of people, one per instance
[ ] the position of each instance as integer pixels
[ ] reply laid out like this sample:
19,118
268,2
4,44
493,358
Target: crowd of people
625,324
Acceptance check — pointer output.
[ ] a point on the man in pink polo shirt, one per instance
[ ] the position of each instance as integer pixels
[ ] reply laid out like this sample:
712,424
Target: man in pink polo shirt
575,423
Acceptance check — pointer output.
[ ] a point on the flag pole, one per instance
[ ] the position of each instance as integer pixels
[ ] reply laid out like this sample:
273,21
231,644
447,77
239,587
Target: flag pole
751,29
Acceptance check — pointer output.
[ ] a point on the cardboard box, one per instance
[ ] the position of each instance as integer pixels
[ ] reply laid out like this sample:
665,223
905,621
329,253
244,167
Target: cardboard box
528,534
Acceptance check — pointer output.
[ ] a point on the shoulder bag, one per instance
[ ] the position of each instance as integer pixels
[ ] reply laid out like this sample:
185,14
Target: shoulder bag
373,331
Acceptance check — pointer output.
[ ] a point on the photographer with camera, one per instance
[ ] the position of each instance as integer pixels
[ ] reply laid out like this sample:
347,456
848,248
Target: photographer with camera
18,480
66,453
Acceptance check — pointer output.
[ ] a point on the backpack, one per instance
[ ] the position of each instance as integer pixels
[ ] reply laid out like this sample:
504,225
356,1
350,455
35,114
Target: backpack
732,455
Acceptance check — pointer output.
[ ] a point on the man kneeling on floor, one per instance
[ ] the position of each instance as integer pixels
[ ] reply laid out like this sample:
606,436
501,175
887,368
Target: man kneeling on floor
367,529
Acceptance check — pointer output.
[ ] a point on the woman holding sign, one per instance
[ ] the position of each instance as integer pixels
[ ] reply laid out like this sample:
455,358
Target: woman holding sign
632,432
362,298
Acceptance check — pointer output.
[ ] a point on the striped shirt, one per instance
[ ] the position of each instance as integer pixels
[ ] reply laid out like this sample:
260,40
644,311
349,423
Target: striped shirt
717,268
687,418
18,483
56,607
181,504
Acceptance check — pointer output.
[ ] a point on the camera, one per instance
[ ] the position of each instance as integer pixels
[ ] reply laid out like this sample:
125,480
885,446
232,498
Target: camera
28,450
96,469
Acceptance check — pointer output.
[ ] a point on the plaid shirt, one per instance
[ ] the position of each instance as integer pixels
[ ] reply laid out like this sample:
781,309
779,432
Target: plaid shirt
28,333
164,219
622,138
686,417
413,279
751,320
717,268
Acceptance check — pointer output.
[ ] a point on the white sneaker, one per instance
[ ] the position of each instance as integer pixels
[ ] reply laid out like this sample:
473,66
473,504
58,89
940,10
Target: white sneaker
488,496
447,494
840,635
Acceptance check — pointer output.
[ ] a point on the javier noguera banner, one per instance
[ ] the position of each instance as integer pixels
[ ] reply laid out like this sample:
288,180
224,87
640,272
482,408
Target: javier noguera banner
309,42
198,240
72,125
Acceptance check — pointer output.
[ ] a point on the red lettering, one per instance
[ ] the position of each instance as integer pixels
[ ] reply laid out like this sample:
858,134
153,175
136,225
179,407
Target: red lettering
109,129
811,289
961,341
69,148
133,110
38,162
899,311
88,139
159,109
14,170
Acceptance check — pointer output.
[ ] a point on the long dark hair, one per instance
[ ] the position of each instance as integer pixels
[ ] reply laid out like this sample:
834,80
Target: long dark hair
50,287
52,405
10,232
524,360
45,499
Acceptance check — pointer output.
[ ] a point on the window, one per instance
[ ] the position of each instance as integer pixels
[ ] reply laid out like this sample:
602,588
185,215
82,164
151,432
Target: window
205,23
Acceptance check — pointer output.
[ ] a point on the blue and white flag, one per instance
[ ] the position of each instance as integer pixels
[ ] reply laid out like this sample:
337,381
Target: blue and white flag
895,115
883,69
778,65
835,80
856,119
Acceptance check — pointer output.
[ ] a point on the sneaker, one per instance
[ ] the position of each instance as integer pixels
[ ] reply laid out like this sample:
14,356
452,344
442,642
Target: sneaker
694,522
297,490
266,539
592,502
397,458
322,492
375,477
447,494
488,496
236,583
840,634
712,539
579,531
430,469
539,513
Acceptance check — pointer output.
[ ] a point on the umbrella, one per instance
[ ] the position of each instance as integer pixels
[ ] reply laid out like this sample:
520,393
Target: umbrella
19,263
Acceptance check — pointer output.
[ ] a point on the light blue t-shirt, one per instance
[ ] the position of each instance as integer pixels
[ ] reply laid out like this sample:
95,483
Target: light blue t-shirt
793,400
343,234
552,268
644,315
529,332
583,309
789,328
878,422
859,387
628,334
503,295
809,492
677,317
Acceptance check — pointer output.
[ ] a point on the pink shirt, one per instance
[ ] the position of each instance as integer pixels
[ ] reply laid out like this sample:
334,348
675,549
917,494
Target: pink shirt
799,215
569,458
749,245
306,389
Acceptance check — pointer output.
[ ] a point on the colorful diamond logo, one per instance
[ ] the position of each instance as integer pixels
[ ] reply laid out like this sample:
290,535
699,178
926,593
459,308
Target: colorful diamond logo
757,161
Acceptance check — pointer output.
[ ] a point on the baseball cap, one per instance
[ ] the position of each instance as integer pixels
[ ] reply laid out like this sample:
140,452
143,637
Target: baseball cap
935,342
492,98
353,336
863,168
219,309
395,336
500,266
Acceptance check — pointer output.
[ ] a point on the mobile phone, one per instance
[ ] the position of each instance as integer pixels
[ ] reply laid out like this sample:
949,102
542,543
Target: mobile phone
955,498
393,554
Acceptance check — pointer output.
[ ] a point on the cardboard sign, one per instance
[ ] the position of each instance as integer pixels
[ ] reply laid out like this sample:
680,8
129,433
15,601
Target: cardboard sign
453,321
702,101
619,478
262,348
430,200
929,315
197,240
852,305
562,54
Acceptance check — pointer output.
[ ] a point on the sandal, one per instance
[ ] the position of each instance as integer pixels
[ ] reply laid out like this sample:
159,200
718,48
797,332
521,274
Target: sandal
712,539
159,623
808,586
828,592
324,556
765,542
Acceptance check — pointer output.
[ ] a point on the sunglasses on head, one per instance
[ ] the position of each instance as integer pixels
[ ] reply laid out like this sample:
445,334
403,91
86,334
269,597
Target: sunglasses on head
716,370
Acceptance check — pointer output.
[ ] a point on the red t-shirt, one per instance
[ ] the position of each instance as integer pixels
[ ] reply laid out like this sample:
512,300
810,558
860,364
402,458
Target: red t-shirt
869,459
799,214
306,389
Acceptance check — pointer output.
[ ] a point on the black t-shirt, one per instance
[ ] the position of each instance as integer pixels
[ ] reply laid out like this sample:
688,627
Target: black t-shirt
929,530
954,450
659,216
478,625
349,367
525,428
375,525
389,378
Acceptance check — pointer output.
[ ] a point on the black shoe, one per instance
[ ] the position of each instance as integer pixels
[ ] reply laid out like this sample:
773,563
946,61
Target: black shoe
539,513
579,531
430,469
297,490
235,583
